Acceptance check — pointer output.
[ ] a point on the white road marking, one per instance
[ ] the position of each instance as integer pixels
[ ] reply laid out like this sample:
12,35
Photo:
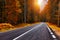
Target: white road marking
52,34
50,30
27,32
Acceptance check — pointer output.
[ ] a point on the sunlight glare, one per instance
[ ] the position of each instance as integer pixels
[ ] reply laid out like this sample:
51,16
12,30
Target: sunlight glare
42,4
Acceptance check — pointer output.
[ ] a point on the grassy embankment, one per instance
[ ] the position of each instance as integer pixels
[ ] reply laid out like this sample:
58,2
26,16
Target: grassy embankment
7,27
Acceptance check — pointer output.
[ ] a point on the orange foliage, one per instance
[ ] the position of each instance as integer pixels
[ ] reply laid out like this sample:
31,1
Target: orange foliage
5,25
12,9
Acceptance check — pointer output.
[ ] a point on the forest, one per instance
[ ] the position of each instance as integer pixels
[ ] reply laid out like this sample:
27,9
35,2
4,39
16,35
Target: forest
24,11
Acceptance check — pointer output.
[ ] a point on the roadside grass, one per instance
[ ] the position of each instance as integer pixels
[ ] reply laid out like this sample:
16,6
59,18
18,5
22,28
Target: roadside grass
7,27
55,28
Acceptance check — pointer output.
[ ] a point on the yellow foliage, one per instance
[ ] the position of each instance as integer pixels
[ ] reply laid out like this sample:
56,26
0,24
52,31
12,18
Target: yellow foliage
8,27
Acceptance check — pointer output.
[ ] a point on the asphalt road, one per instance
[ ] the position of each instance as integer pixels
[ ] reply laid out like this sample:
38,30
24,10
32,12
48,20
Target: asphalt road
14,33
34,32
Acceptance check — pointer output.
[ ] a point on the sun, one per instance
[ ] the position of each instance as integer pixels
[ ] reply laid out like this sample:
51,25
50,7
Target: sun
42,4
39,2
